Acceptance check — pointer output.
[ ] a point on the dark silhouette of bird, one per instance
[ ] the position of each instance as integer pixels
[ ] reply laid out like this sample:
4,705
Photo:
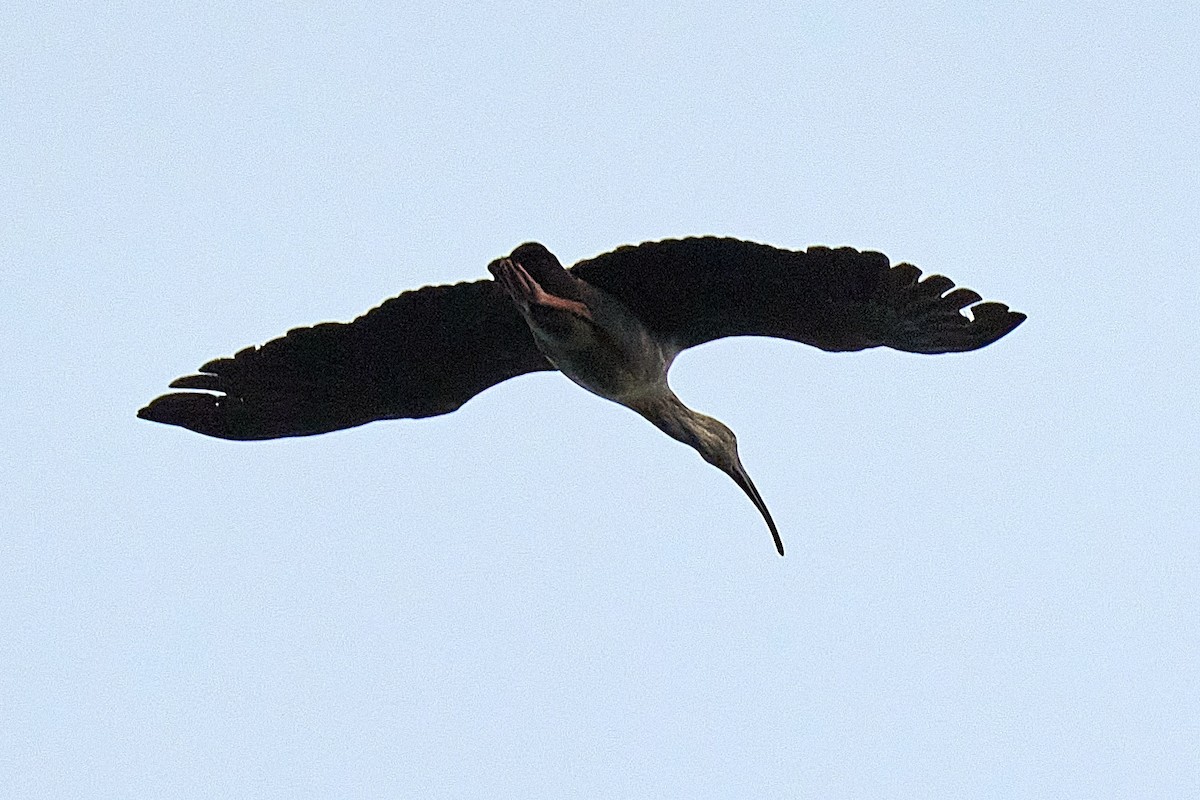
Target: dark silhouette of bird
612,324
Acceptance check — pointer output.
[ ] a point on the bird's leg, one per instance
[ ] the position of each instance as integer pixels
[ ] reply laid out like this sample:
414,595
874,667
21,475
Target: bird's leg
526,292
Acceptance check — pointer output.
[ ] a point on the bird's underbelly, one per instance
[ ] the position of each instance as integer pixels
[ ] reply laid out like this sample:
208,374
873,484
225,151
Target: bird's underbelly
613,368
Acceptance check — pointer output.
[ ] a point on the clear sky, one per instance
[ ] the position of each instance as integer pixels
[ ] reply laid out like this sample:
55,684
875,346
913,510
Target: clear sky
992,586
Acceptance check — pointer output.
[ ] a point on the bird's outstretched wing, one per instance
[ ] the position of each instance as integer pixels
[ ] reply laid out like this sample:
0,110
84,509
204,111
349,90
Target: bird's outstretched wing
423,353
696,290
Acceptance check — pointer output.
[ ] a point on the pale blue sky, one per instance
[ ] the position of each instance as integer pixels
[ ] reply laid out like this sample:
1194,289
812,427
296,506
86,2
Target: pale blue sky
992,586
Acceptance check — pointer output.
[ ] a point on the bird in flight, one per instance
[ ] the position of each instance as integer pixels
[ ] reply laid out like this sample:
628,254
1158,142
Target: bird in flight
612,324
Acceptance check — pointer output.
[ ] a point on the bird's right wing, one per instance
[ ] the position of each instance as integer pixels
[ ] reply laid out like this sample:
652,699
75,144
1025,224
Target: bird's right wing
695,290
420,354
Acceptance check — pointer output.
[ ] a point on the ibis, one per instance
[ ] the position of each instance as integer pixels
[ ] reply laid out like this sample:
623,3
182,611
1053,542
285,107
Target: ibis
612,324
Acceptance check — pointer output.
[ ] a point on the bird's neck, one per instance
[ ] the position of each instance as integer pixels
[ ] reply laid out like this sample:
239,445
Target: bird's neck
672,417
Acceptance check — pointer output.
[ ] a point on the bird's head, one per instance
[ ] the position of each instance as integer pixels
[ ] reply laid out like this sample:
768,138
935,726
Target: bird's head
717,445
713,440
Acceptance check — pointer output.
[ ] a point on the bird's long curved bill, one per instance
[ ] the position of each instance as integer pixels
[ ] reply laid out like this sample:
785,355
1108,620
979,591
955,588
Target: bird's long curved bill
738,473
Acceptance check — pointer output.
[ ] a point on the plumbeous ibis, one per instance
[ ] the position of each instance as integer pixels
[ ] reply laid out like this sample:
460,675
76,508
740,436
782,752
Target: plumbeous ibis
612,324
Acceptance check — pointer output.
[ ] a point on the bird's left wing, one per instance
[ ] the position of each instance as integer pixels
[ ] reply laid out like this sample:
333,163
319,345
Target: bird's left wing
423,353
694,290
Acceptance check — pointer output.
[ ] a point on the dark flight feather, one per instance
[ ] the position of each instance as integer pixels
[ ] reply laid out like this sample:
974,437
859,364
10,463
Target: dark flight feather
696,290
423,353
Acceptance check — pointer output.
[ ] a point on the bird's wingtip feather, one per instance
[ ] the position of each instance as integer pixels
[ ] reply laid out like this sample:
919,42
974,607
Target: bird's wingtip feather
207,382
197,411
